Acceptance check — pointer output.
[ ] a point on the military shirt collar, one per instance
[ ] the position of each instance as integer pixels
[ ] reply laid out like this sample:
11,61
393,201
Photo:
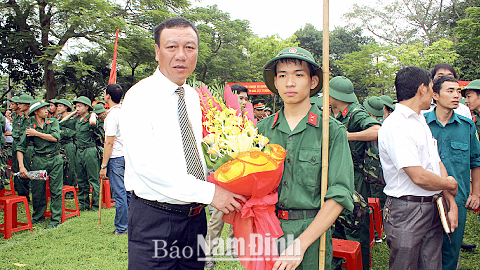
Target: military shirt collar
312,118
345,111
432,116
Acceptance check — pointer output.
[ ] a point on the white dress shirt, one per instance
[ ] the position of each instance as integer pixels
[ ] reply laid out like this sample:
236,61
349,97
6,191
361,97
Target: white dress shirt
155,167
112,128
405,140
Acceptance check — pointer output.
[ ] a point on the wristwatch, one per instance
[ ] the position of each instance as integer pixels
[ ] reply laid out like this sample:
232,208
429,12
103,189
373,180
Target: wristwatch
103,166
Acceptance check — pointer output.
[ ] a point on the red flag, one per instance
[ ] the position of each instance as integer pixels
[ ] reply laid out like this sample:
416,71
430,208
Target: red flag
113,71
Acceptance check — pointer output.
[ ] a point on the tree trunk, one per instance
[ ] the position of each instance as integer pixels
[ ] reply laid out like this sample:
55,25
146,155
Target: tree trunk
49,80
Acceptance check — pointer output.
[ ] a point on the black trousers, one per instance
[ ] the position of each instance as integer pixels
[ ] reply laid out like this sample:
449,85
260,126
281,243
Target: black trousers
158,239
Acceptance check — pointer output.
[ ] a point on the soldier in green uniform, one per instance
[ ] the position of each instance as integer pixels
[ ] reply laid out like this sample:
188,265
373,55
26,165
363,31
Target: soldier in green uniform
44,134
87,161
388,105
67,135
376,108
297,127
472,98
52,108
360,129
20,124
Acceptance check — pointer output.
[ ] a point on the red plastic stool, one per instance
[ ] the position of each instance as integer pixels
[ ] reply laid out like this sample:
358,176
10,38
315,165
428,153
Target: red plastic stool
11,223
350,251
73,212
107,200
374,204
12,189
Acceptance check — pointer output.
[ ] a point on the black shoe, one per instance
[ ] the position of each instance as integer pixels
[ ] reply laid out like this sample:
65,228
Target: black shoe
468,246
38,221
119,233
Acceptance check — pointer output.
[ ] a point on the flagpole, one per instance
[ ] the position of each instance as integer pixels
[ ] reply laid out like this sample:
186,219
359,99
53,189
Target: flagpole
325,130
113,71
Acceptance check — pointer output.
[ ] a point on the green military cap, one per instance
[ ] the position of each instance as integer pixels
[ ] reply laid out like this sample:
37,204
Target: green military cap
14,99
98,108
26,99
64,102
268,109
387,101
84,100
295,53
374,105
473,85
53,101
341,89
101,101
37,104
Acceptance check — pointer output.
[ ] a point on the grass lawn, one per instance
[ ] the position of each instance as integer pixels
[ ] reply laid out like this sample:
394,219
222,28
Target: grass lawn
78,244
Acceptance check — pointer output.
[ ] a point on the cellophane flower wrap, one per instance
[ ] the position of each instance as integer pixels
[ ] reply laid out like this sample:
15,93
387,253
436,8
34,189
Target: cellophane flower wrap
244,163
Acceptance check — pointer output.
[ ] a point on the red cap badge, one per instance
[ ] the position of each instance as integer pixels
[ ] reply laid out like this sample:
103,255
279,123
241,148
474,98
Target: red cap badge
292,50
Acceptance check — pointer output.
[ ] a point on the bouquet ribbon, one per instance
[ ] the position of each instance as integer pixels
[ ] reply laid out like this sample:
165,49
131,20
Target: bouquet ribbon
257,225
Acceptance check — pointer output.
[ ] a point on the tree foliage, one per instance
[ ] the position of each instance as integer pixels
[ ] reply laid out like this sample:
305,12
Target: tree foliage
468,33
401,21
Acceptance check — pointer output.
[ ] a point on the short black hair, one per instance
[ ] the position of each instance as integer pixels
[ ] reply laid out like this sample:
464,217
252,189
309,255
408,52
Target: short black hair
295,61
175,22
438,82
408,80
237,89
446,66
115,91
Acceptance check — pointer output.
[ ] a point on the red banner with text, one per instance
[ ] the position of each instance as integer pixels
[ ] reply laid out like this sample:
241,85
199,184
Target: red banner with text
254,88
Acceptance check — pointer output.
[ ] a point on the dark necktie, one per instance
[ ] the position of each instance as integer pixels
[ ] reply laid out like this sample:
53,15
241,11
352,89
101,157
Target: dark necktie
192,157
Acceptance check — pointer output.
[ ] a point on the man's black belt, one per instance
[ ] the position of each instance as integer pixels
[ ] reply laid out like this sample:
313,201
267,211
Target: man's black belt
191,209
419,199
86,146
65,142
296,214
48,155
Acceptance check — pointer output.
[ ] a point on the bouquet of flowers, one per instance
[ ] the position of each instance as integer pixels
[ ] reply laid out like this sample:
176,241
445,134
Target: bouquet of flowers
245,163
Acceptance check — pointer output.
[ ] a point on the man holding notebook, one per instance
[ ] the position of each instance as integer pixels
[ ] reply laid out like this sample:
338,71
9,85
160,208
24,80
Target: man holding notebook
459,150
414,176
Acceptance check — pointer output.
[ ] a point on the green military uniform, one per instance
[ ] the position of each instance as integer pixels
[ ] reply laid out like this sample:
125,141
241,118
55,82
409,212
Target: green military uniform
87,160
359,121
47,157
22,186
301,181
356,119
67,136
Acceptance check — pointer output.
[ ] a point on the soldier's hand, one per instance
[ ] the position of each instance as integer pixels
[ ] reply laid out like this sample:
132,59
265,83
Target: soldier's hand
473,202
290,258
23,172
226,201
31,132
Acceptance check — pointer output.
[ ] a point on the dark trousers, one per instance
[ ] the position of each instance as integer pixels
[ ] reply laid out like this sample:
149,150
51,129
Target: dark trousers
414,235
158,239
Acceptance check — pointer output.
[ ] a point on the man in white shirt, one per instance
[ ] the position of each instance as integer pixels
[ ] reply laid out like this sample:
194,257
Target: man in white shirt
167,208
414,176
113,162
